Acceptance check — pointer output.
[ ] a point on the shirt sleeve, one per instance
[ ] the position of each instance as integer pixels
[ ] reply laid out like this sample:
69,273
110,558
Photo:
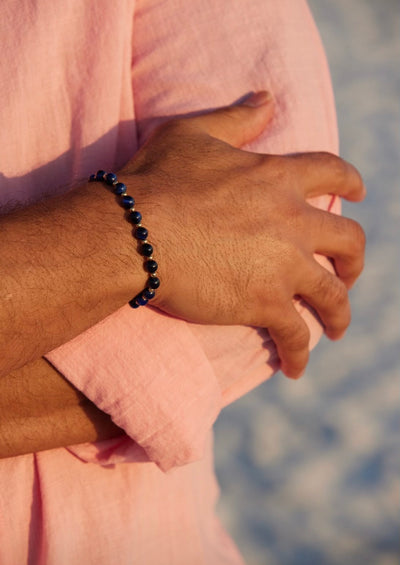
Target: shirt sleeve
163,380
150,373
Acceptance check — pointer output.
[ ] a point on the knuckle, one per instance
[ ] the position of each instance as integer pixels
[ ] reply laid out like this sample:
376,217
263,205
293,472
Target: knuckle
339,168
229,113
257,161
278,166
358,180
337,293
279,171
342,320
338,327
333,291
329,159
358,238
228,120
296,337
300,339
344,172
356,248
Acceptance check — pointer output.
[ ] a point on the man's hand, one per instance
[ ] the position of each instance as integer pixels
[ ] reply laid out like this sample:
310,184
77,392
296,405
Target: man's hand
234,234
235,240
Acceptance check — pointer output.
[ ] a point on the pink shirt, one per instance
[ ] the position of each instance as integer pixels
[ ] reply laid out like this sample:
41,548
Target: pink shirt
82,84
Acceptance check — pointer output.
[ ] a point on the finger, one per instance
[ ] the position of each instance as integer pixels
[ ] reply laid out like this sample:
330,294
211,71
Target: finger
292,337
238,124
343,240
328,296
325,173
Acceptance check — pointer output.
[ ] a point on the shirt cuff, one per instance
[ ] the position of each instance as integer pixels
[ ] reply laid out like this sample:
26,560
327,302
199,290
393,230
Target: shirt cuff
150,374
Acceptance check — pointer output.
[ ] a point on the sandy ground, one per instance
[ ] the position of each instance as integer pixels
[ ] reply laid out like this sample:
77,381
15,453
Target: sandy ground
308,470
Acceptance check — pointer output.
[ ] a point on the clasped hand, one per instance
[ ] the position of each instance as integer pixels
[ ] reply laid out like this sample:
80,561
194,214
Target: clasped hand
234,234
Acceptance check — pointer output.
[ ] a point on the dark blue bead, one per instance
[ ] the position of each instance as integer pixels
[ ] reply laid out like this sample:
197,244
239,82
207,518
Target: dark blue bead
153,282
92,178
146,249
100,175
141,300
149,293
135,217
151,266
132,303
127,201
110,178
141,233
119,188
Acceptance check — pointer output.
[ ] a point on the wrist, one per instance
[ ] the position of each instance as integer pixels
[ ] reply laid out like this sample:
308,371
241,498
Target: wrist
139,232
113,267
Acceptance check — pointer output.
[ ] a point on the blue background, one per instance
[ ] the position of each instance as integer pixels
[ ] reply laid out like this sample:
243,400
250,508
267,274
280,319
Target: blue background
309,469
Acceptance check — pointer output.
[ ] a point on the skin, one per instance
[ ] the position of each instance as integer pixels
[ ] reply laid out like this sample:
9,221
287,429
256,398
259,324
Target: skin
225,259
41,410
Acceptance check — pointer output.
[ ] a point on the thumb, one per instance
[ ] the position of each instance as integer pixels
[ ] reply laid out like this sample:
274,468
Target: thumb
240,123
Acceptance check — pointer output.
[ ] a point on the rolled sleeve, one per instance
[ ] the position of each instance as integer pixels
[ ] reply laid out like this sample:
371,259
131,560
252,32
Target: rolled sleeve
150,374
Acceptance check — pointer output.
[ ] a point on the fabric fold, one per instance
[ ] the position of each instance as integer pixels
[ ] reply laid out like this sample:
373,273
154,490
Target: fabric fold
168,412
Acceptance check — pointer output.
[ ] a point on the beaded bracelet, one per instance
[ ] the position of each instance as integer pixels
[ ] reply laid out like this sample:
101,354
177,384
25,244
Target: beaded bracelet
140,233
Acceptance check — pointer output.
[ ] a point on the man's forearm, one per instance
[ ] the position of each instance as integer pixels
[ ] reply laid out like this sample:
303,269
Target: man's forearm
234,234
66,263
40,410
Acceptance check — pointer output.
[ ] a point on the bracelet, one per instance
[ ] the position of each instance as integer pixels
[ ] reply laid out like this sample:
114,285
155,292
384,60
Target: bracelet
140,233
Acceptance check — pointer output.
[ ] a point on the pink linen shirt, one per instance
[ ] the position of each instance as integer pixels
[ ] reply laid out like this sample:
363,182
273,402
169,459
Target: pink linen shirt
82,85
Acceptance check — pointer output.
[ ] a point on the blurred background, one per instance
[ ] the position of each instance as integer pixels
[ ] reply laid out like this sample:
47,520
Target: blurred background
309,469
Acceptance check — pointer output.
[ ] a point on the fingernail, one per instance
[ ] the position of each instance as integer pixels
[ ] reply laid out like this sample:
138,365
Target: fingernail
257,99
